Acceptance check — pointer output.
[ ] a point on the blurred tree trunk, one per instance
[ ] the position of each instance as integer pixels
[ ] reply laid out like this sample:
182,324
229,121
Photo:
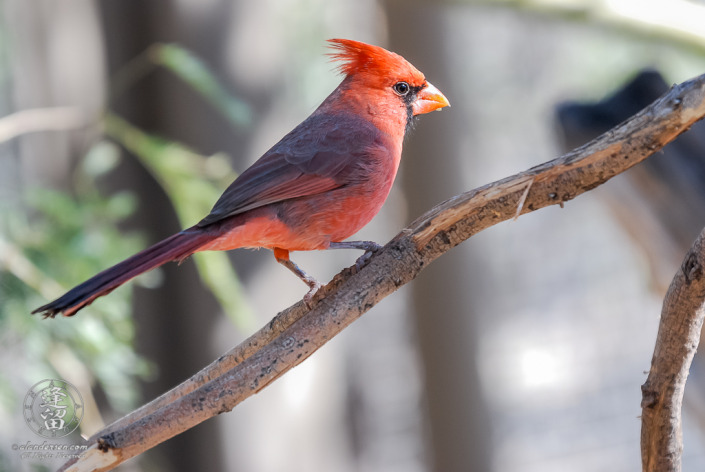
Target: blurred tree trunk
459,423
167,332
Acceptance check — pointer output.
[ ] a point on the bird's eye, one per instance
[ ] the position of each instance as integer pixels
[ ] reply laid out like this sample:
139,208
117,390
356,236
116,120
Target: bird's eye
401,88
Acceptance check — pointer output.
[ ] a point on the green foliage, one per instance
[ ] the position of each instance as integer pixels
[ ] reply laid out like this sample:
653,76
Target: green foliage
195,73
69,238
189,68
193,183
49,236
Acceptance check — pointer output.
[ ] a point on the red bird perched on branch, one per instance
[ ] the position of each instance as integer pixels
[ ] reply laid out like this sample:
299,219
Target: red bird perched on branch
319,185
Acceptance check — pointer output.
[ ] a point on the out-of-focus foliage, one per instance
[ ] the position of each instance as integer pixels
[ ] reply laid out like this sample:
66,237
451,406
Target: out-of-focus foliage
195,73
54,240
189,68
193,183
69,238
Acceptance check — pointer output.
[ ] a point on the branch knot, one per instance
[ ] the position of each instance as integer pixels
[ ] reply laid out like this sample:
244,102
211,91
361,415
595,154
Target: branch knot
692,269
649,397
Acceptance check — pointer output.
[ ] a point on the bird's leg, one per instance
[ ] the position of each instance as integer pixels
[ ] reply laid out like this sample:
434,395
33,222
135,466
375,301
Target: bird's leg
282,257
370,247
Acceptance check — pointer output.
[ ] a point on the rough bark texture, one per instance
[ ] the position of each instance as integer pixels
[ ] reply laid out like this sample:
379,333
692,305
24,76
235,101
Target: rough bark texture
296,333
160,103
676,343
458,428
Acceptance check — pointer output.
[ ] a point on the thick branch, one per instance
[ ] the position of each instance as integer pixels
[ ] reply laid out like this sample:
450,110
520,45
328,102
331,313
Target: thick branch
296,333
676,343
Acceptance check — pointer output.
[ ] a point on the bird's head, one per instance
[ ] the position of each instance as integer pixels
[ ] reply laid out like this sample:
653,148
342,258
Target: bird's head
386,78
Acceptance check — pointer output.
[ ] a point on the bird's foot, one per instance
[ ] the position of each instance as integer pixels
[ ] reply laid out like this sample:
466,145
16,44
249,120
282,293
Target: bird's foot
370,247
365,258
314,286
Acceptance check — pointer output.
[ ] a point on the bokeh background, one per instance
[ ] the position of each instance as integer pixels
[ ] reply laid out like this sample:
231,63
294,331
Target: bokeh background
523,349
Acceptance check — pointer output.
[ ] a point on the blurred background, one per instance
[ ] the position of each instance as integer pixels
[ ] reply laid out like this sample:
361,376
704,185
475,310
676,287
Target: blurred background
523,349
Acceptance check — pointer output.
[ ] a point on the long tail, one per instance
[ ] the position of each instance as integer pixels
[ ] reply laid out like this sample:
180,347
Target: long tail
173,248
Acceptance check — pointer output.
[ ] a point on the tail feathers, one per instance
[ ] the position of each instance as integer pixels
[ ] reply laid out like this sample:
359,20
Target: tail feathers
173,248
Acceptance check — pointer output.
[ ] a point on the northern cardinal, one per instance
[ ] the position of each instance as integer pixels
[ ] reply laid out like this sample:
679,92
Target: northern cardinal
319,185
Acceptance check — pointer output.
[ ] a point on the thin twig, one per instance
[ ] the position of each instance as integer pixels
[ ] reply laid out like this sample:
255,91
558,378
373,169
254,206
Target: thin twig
522,200
296,333
13,260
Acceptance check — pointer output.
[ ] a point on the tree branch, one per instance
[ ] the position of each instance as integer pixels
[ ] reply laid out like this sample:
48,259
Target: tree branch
676,343
41,119
673,20
296,333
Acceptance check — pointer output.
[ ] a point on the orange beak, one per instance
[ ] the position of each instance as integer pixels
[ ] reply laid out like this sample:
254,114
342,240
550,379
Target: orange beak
428,100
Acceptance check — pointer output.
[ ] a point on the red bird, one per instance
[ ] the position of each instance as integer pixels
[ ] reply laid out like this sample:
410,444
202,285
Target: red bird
316,187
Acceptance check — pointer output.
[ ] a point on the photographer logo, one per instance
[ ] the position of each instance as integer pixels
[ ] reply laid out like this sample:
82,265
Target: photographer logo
53,408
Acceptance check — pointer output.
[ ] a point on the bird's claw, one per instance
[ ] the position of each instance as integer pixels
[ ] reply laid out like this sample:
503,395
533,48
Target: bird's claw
365,258
315,286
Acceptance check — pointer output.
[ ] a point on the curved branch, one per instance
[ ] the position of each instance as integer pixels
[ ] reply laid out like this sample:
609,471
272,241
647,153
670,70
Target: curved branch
296,333
676,343
677,21
41,119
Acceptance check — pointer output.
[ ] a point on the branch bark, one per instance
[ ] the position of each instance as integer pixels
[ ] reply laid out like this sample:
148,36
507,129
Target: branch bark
296,333
676,343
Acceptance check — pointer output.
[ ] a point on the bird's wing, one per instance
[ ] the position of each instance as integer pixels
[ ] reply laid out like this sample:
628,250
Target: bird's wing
321,154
